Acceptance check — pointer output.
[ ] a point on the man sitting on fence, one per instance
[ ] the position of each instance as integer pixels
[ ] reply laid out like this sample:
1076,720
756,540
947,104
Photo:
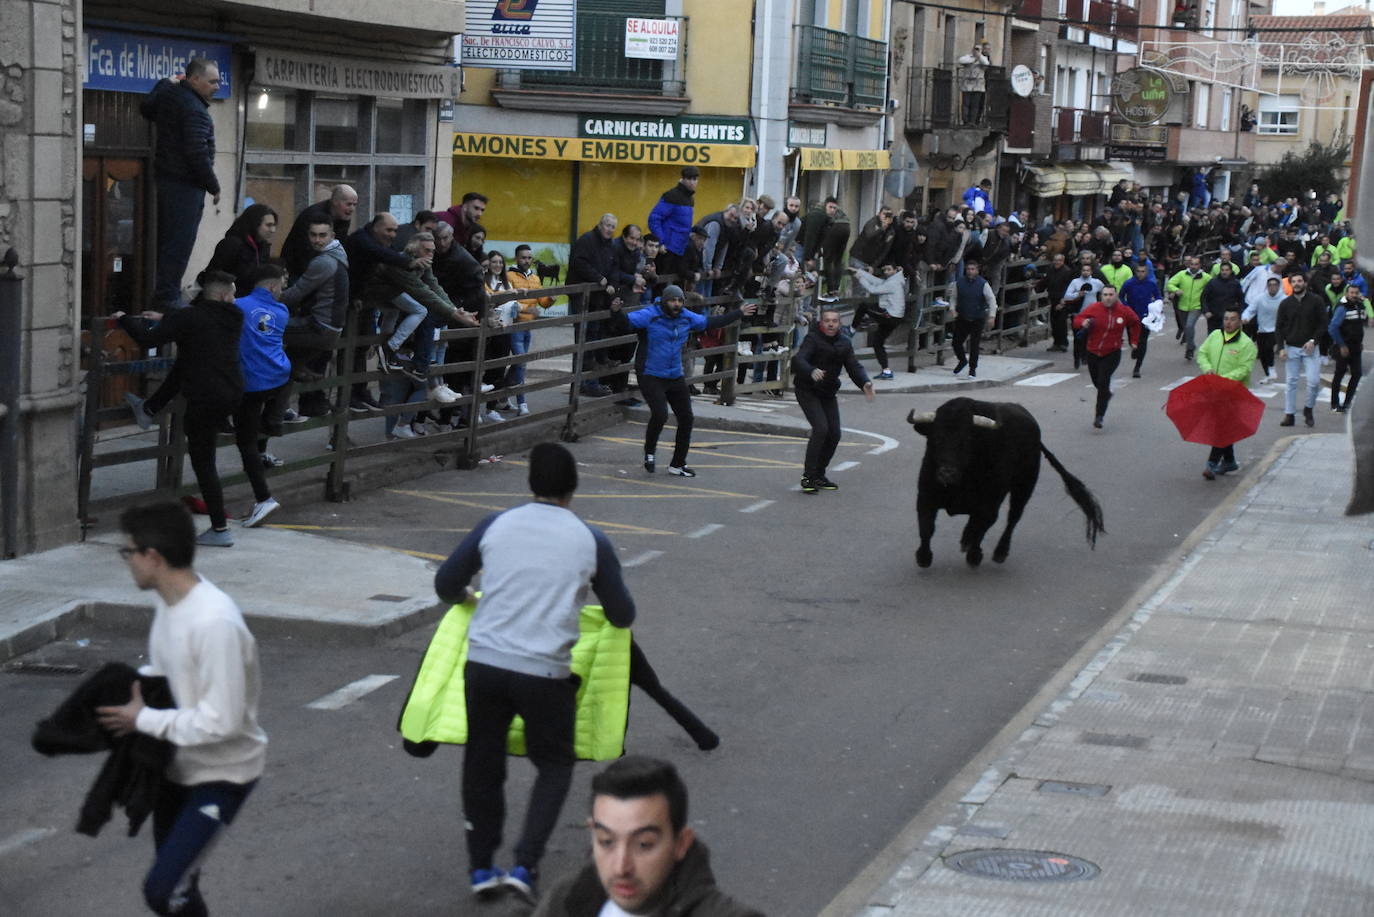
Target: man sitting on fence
318,301
887,314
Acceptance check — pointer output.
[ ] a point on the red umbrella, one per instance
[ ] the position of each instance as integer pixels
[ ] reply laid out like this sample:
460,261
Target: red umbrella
1214,411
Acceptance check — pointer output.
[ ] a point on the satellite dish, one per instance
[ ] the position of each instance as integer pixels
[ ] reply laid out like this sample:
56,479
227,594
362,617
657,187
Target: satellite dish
901,176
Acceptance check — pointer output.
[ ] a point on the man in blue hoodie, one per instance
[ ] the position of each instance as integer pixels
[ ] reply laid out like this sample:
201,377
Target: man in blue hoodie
266,383
671,220
663,327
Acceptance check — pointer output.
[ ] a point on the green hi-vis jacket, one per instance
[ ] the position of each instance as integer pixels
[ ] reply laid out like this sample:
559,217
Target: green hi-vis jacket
436,710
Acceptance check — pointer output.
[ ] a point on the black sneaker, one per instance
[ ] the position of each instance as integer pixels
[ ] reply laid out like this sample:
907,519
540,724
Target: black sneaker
361,404
683,472
808,486
1307,417
825,483
649,463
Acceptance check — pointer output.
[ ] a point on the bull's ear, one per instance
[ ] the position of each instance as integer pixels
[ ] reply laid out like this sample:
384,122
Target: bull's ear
921,422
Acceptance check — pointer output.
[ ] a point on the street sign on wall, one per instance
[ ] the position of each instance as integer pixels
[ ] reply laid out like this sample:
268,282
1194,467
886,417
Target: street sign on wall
521,34
129,62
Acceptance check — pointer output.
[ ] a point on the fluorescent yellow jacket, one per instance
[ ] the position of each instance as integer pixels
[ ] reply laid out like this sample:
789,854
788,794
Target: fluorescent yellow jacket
436,710
1189,289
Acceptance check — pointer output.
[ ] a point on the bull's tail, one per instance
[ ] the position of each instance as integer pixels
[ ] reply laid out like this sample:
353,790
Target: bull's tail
1082,496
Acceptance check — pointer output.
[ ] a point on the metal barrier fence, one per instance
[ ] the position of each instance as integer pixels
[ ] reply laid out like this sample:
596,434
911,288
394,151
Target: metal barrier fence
923,333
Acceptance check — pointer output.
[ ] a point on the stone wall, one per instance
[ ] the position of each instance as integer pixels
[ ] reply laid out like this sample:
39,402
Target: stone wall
39,166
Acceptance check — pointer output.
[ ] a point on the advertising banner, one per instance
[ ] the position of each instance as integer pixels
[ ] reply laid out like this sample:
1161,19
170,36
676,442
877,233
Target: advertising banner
521,34
575,149
129,62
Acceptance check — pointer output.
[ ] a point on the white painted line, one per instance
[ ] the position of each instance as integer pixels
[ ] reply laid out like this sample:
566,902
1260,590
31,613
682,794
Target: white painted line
349,693
751,407
1044,380
845,466
1264,393
644,558
706,530
888,443
24,838
1176,383
755,507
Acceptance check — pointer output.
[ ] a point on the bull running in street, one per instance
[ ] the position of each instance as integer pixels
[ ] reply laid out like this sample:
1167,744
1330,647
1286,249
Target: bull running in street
978,452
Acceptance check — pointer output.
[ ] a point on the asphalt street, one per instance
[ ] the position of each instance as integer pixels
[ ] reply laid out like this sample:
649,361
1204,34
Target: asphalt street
847,685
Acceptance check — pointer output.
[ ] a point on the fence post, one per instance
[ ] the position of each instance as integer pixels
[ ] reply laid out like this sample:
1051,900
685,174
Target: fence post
575,389
11,341
730,364
336,489
90,418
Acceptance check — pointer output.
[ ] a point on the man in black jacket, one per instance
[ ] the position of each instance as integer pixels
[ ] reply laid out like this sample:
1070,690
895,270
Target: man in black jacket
183,168
207,339
1221,294
338,210
592,260
367,249
1054,284
645,857
1297,328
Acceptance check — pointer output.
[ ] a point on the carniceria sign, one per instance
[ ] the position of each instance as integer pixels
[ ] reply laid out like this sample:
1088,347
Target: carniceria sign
690,129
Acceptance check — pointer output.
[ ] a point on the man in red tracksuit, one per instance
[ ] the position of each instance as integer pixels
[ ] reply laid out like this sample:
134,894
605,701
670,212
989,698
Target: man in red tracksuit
1103,322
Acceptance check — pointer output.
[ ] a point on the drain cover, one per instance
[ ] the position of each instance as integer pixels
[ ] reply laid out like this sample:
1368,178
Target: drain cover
1022,865
43,668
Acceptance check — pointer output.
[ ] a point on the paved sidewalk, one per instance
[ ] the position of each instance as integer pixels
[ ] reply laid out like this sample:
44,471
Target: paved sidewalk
1215,757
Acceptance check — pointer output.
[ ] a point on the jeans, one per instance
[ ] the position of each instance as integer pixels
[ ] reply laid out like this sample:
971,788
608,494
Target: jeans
1189,323
660,393
1301,364
519,344
182,834
399,389
548,706
179,209
1100,370
414,314
822,411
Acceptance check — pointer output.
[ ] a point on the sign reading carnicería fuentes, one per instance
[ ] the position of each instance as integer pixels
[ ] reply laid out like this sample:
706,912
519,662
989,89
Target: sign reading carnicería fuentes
688,129
289,70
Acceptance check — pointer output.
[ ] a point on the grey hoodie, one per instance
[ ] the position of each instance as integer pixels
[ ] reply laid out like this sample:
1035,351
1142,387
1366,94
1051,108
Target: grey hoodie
321,293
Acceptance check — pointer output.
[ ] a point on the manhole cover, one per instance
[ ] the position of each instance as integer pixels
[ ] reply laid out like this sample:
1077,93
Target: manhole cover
1022,865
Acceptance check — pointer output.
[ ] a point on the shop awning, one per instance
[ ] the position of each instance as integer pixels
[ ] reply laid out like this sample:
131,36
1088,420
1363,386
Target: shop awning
822,159
1045,181
1076,179
1110,175
1081,179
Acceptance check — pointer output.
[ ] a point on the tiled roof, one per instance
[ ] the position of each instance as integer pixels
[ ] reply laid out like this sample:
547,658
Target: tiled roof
1294,30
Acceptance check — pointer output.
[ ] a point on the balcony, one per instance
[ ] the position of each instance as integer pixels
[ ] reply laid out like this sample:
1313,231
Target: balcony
836,70
1078,125
604,74
1029,9
1105,17
934,101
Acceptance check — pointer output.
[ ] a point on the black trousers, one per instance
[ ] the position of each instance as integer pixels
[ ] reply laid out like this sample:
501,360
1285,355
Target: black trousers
1059,325
1354,364
823,413
970,331
1264,342
1221,454
202,428
259,415
660,394
883,326
1141,347
494,697
1100,370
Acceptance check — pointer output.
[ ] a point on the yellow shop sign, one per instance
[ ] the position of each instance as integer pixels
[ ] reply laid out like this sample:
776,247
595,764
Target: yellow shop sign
586,149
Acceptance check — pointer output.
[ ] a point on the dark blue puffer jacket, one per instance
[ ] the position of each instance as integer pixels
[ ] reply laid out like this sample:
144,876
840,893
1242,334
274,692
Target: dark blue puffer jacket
671,219
185,135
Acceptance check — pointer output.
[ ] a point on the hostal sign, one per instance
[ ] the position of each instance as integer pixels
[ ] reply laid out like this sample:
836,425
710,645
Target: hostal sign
1141,96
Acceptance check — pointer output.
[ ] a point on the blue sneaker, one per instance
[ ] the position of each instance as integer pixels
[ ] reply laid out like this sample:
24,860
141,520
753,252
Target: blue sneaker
1227,467
1210,472
487,882
521,881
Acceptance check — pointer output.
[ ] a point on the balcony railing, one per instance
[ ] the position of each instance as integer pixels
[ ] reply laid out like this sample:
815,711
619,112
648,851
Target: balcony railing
934,101
1030,9
837,68
1106,17
602,64
1078,125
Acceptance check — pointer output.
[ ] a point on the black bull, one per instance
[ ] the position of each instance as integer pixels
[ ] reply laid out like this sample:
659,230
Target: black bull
978,452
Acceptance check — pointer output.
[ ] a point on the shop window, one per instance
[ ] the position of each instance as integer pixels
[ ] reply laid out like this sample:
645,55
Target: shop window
358,176
401,191
401,125
281,187
272,120
341,125
1278,114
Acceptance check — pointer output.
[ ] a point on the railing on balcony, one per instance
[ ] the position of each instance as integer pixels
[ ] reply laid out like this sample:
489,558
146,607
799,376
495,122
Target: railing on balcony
1127,23
934,101
1107,17
1030,9
1078,125
835,67
602,64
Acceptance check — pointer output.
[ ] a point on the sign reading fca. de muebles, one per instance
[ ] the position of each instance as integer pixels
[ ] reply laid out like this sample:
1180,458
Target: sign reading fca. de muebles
521,34
125,62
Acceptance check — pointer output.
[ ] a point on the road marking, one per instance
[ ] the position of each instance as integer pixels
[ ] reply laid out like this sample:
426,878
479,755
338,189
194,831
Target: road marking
888,443
845,466
757,408
24,838
1261,393
1045,380
1176,383
640,559
755,507
706,530
351,692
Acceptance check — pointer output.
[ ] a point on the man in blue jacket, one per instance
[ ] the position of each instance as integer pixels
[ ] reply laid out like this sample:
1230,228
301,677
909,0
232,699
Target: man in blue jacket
183,168
664,327
671,220
266,383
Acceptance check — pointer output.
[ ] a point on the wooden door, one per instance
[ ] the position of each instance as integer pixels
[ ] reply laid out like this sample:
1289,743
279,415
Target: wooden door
115,246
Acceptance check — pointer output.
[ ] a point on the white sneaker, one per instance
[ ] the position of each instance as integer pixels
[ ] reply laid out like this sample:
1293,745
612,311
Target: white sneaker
403,431
487,387
522,408
260,512
489,417
745,349
443,394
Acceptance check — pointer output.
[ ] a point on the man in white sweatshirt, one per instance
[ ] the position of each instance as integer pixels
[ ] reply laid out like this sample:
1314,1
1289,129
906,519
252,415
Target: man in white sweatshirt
200,644
888,313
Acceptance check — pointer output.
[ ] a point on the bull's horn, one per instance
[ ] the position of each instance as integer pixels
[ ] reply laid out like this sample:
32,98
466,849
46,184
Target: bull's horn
913,418
987,423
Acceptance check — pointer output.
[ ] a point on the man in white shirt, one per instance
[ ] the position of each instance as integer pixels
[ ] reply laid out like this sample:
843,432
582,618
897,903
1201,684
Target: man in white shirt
201,645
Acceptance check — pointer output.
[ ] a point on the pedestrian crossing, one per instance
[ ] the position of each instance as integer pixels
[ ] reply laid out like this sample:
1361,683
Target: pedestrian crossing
1266,392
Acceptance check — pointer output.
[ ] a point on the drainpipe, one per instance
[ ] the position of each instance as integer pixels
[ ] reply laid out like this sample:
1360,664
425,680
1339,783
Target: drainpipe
11,326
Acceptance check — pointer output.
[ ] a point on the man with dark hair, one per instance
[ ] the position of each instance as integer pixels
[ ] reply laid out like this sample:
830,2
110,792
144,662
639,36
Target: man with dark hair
337,210
519,656
1054,283
183,168
671,221
1104,321
465,217
200,644
592,260
646,859
318,300
1297,328
975,307
266,384
424,221
207,339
